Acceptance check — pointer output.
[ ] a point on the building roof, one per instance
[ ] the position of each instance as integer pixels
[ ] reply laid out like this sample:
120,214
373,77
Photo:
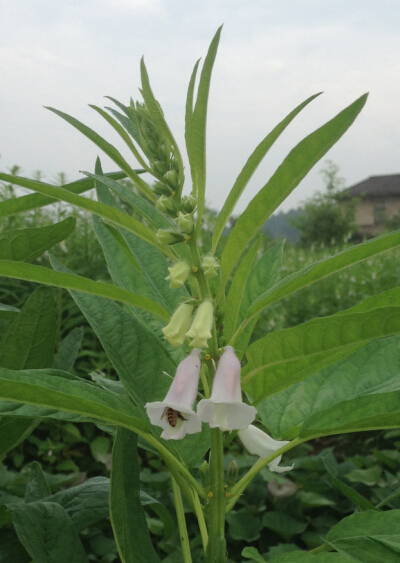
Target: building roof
375,186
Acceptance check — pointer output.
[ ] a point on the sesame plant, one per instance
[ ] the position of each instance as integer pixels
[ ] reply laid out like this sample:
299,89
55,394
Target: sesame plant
176,324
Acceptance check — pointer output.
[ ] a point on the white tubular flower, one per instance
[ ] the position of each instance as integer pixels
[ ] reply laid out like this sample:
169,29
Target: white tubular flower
225,409
200,331
178,325
259,443
175,413
178,274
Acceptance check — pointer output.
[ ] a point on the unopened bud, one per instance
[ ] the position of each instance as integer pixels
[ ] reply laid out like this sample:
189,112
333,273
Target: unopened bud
171,178
159,167
160,188
210,265
185,222
205,475
178,274
233,469
189,203
165,204
200,331
177,327
169,237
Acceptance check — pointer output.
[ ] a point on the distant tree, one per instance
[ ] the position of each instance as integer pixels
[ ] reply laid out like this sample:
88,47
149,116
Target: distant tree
326,218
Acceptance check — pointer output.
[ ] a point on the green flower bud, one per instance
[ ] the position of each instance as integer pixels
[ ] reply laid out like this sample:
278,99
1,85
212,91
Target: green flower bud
159,167
205,475
178,274
189,203
185,222
164,152
210,265
171,178
180,321
169,237
160,188
200,330
175,166
165,204
233,469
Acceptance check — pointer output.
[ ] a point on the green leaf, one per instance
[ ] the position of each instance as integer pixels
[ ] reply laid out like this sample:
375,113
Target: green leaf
7,312
69,347
136,354
288,175
283,524
368,477
28,244
13,431
11,548
105,211
40,274
361,502
253,553
287,356
44,389
243,526
33,201
248,170
373,369
324,268
370,412
303,557
197,143
126,511
189,110
47,533
110,151
161,511
37,487
368,537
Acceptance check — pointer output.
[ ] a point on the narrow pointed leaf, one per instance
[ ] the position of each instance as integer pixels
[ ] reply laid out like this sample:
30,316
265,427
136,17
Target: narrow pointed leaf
28,244
45,276
288,175
109,150
248,170
68,352
33,201
361,502
127,515
37,487
189,110
100,209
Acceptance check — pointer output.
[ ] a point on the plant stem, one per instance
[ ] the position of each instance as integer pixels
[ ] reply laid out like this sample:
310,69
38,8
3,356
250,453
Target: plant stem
198,509
241,485
216,551
180,514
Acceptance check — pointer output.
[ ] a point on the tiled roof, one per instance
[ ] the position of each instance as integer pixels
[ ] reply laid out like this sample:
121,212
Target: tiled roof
375,186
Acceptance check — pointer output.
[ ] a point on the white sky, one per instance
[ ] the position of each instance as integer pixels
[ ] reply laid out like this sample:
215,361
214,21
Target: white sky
272,56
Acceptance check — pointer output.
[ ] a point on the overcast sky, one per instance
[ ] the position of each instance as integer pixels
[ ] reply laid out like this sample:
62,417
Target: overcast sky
272,56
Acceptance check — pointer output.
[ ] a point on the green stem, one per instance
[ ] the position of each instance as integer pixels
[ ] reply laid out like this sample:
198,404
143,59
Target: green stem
198,510
186,490
241,485
216,551
180,514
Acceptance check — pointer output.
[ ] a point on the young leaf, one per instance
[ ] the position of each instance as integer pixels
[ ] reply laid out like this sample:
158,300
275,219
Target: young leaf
189,111
37,487
198,129
288,175
248,170
47,532
127,514
110,151
45,276
373,369
287,356
28,244
69,347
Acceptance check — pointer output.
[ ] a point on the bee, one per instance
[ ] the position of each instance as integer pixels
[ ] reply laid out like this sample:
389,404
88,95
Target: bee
172,416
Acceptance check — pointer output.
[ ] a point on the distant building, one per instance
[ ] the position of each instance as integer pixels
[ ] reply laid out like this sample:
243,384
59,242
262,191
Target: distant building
379,200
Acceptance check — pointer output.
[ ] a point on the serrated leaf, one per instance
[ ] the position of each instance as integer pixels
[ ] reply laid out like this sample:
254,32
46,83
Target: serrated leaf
288,175
29,244
249,168
373,369
125,507
287,356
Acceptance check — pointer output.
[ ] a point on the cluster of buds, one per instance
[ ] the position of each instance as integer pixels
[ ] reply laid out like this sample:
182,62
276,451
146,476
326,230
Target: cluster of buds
182,325
224,409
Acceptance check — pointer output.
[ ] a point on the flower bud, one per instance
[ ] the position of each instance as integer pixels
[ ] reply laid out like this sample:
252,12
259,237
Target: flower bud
171,178
233,469
185,222
160,188
169,237
189,203
159,167
210,265
200,331
164,152
205,475
165,204
178,325
178,274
